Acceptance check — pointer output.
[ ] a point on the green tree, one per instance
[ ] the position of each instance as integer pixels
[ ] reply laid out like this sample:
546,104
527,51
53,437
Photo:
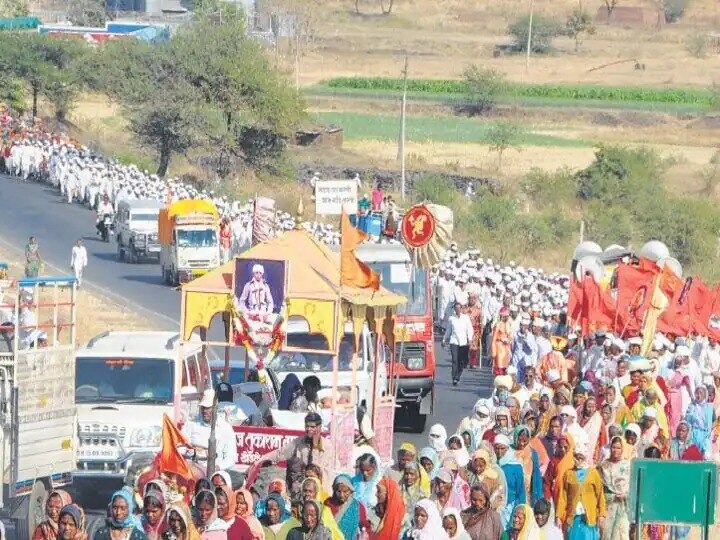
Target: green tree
165,110
544,30
504,135
209,88
87,13
14,8
483,86
579,22
45,66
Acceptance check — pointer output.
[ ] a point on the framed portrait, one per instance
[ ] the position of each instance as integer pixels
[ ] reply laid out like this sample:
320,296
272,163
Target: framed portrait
260,286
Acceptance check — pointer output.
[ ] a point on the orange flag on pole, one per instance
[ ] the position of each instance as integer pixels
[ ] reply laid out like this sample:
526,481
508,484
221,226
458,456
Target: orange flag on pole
354,272
171,460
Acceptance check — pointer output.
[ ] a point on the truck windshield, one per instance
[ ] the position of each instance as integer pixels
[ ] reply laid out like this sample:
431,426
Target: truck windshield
144,217
123,380
196,238
308,361
397,277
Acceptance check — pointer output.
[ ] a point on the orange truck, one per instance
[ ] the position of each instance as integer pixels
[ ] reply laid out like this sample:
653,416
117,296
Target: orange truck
189,240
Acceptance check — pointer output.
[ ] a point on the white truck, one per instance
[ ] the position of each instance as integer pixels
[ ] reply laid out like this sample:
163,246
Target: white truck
125,382
37,405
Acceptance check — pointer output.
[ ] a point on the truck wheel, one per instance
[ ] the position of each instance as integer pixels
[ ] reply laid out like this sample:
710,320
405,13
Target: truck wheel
120,252
35,512
133,255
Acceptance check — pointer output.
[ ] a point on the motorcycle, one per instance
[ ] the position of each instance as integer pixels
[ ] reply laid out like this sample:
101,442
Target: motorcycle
106,224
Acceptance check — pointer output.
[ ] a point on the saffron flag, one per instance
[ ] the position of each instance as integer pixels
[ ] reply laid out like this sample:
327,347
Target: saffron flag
634,291
354,272
575,299
598,307
171,460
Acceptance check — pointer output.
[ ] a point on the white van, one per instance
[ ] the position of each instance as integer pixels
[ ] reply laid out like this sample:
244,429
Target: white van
320,364
124,382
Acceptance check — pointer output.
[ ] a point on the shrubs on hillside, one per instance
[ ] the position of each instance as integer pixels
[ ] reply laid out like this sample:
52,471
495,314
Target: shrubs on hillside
544,30
627,203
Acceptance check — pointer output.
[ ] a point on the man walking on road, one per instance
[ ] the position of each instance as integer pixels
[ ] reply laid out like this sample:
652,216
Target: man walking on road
459,334
78,260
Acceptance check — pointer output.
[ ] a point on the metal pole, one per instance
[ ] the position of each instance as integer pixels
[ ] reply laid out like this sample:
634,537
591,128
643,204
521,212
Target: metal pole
401,145
529,39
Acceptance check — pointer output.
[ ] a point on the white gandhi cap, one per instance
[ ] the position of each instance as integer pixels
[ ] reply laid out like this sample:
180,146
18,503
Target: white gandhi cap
258,268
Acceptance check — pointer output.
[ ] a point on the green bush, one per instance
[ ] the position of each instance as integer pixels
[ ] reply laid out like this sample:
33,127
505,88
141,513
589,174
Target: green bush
435,188
620,175
493,212
609,224
550,189
544,30
483,86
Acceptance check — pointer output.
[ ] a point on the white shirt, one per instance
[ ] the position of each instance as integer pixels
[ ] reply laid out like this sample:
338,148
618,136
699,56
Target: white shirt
79,258
459,330
709,362
198,433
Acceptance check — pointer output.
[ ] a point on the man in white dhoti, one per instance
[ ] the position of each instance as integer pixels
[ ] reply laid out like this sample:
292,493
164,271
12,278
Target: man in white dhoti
78,260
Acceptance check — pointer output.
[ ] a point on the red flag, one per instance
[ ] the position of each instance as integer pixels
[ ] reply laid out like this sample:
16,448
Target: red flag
676,318
598,307
171,460
634,288
701,303
575,300
670,282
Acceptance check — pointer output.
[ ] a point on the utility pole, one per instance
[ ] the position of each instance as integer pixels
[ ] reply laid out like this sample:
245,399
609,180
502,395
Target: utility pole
297,60
401,141
529,40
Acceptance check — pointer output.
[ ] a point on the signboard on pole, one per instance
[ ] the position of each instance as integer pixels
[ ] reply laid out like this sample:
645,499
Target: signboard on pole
331,196
673,492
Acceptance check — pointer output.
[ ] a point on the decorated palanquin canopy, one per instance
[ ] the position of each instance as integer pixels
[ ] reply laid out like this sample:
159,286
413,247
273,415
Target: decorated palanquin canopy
313,291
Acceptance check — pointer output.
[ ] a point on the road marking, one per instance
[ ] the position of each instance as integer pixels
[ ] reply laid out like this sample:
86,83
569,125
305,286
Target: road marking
172,323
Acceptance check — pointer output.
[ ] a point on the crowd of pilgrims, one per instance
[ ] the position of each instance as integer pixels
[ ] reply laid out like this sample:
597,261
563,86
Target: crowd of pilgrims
544,458
547,456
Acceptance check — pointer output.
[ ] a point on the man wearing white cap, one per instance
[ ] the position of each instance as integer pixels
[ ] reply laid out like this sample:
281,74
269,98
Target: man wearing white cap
256,296
197,432
524,348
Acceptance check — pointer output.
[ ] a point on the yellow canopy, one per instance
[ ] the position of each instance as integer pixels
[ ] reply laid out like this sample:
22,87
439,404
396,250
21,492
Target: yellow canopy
192,206
313,277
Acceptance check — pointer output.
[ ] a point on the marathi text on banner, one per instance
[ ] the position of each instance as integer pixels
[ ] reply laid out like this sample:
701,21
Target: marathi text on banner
254,442
331,196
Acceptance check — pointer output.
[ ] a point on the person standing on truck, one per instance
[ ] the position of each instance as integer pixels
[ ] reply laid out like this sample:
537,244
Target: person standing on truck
197,431
78,260
458,335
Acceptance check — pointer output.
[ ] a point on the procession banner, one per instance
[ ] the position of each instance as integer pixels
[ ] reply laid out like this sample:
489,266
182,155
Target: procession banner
331,196
343,438
254,442
383,427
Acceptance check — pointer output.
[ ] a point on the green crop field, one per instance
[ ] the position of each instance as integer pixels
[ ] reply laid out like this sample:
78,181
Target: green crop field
424,128
670,100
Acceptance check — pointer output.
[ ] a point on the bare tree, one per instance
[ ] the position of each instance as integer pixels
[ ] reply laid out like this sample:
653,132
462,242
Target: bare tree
610,6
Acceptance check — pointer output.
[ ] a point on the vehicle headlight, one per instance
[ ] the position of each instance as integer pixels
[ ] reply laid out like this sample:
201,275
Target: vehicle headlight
182,262
145,436
415,363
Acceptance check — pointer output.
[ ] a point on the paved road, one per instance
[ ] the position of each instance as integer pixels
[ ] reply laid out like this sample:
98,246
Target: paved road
32,209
